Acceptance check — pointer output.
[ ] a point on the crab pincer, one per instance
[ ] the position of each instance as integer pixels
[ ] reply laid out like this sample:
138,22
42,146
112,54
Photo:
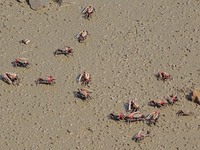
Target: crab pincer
10,78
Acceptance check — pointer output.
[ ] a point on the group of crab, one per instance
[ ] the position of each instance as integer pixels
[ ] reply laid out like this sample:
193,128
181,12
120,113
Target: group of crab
135,115
152,118
84,77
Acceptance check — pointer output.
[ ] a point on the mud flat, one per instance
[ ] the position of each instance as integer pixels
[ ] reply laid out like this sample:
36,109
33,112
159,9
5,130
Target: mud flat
129,42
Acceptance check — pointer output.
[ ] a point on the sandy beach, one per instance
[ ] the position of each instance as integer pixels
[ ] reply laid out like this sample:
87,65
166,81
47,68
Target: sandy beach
129,42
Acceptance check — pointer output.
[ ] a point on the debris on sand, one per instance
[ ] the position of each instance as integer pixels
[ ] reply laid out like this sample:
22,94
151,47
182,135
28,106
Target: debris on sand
38,4
59,2
195,96
21,1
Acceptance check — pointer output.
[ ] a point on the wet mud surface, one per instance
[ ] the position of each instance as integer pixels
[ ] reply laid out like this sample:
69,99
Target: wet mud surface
129,43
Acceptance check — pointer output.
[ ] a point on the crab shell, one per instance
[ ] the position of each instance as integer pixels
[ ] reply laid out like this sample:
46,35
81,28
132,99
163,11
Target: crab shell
22,60
87,76
90,9
84,33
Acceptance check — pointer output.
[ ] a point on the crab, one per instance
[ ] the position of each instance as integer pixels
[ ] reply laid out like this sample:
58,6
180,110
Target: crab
83,94
171,99
82,36
135,116
163,76
115,117
140,135
21,62
47,80
88,11
158,103
152,118
84,78
67,51
10,78
132,106
182,113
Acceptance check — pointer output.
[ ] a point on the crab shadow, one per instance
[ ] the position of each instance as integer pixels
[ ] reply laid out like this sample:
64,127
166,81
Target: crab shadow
133,138
189,96
27,1
77,95
1,78
126,106
78,78
156,76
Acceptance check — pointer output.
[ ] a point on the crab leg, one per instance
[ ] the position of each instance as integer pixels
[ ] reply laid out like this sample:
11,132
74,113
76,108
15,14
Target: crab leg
129,105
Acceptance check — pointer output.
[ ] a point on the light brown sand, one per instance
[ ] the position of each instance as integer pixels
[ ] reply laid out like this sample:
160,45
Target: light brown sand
130,41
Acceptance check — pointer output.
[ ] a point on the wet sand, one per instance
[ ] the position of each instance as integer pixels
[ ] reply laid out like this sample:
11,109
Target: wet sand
129,42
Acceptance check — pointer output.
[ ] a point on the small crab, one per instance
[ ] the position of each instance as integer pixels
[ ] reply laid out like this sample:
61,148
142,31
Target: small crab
135,116
21,62
47,80
115,117
171,99
140,135
132,106
82,36
163,76
84,78
10,78
158,103
152,118
83,94
67,51
182,113
88,11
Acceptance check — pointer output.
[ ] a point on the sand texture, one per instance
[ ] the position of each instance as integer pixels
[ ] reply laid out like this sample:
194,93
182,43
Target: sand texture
129,42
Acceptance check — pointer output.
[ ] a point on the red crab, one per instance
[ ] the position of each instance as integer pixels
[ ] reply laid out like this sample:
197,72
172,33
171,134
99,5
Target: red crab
48,80
88,11
158,103
152,118
132,106
82,36
83,94
84,78
163,76
115,117
171,99
67,51
140,135
10,78
135,116
21,62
